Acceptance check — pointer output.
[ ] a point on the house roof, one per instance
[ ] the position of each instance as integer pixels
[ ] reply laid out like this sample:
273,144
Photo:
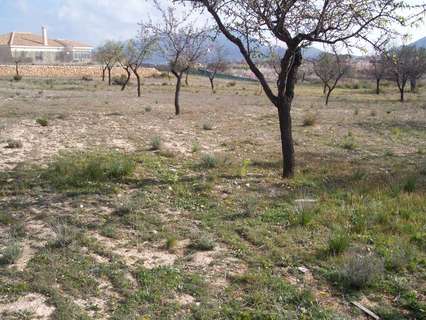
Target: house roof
34,40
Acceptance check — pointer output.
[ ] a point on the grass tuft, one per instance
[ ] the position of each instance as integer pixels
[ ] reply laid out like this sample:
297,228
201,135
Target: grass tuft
42,122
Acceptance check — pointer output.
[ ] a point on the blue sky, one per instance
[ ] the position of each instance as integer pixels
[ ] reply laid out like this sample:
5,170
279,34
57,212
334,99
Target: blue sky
91,21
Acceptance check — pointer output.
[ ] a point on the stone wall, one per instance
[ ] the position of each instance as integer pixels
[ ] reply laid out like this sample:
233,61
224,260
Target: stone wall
66,71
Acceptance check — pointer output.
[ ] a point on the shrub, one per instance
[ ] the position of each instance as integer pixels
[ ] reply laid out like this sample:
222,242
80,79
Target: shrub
231,84
171,243
119,80
156,143
360,271
87,78
14,144
42,121
410,185
17,77
348,142
195,147
204,243
148,109
338,243
373,113
89,168
309,120
209,161
207,126
11,253
398,258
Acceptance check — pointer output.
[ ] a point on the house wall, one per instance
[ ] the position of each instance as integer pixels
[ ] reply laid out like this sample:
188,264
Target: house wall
5,55
51,55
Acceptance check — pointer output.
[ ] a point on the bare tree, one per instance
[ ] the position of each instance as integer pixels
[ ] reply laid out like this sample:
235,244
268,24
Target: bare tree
418,67
135,52
181,43
296,24
216,62
377,68
108,55
330,68
405,63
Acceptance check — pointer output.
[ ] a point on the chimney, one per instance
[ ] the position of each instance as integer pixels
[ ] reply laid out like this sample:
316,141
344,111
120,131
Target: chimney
44,33
12,38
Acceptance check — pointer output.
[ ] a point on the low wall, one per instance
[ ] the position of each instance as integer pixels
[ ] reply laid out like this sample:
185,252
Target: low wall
66,71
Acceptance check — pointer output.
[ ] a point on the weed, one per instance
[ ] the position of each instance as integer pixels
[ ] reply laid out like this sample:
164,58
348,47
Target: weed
244,168
204,243
17,78
348,142
309,119
208,126
14,144
89,168
171,244
360,271
42,122
6,218
209,161
231,84
119,80
109,230
373,113
410,185
64,235
148,109
11,253
338,242
156,143
195,147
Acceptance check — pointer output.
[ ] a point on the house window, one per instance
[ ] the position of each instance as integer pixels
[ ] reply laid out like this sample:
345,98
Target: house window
39,56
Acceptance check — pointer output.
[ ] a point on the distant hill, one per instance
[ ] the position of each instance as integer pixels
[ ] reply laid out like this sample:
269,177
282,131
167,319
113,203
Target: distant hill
233,54
420,43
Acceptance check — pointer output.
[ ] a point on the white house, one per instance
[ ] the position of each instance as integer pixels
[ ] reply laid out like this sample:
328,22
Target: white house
28,47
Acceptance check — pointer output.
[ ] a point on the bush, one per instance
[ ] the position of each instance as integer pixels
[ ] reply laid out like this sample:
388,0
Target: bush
17,77
309,120
156,143
360,271
209,161
14,144
338,243
203,244
171,244
87,78
89,168
207,126
348,142
42,121
231,84
410,185
11,253
119,80
148,109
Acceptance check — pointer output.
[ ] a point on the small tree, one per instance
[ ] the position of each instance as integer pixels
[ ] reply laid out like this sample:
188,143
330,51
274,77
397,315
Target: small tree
330,68
136,51
108,55
181,43
297,24
216,62
377,69
406,63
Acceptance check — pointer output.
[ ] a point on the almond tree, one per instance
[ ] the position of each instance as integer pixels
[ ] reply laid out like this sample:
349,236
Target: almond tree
296,24
330,68
216,62
108,55
378,68
136,51
181,43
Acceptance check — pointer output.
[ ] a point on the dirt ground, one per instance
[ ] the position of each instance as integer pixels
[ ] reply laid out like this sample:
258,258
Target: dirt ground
147,267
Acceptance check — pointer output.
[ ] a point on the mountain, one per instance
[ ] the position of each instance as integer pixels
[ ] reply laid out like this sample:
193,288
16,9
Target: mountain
420,43
234,55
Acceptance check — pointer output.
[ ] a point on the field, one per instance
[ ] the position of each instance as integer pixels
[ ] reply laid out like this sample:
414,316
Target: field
113,208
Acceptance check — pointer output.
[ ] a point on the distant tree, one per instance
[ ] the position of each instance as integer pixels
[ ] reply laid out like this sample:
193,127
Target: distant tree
330,68
377,68
406,63
136,51
296,24
181,43
124,62
216,62
108,55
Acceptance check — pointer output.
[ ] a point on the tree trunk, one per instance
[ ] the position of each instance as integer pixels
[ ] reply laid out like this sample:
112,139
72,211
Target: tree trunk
177,93
103,73
324,89
127,80
212,83
287,144
401,91
413,85
109,76
138,80
327,97
186,79
17,68
377,86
